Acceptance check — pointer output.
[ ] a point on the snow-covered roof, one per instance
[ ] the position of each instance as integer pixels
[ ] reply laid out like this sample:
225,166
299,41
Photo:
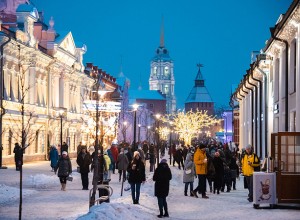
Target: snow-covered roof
199,94
25,8
146,94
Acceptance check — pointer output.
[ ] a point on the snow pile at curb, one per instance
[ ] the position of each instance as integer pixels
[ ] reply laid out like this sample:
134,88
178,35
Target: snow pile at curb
10,194
110,211
41,181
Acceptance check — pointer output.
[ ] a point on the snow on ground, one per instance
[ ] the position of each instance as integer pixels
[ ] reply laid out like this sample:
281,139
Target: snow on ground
43,199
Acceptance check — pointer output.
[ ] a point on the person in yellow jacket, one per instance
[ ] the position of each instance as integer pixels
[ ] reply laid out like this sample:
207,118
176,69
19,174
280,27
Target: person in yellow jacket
200,161
249,161
107,171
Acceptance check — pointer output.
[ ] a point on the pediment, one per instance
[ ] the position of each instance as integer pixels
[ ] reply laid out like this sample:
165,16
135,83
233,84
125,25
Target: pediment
68,44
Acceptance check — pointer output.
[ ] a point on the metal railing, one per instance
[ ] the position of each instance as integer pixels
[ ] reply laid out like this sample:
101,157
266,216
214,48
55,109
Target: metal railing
101,199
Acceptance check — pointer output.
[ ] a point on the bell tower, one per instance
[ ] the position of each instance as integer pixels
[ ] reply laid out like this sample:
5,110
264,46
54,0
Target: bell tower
162,73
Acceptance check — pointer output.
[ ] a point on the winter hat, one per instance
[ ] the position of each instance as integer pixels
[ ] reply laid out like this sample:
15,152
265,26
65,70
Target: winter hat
136,153
201,146
248,146
64,153
163,160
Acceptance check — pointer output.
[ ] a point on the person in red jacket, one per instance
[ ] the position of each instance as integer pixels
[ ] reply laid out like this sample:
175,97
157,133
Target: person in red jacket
115,153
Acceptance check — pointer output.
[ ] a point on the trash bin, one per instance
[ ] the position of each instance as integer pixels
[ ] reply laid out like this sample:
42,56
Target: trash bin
104,191
264,189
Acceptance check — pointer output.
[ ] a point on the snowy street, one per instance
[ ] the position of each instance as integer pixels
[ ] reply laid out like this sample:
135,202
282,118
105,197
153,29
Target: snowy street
43,199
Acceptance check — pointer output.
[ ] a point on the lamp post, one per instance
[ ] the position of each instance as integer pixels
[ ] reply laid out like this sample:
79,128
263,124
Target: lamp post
98,169
61,112
135,107
100,93
148,134
170,142
158,142
2,112
139,133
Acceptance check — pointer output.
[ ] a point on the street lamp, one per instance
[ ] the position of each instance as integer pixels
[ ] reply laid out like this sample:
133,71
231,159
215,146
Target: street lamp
148,133
157,116
170,142
2,111
61,113
100,95
135,107
98,169
139,133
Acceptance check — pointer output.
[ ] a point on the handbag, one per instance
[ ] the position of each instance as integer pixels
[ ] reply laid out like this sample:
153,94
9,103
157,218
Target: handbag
70,178
188,171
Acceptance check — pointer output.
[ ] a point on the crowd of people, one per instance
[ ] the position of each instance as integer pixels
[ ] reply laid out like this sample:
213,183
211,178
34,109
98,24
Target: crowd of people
214,164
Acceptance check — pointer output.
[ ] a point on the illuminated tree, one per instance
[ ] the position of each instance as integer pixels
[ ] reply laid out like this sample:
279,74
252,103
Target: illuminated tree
188,124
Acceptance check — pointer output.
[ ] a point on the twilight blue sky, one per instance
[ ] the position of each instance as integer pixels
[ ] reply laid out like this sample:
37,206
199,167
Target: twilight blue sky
219,34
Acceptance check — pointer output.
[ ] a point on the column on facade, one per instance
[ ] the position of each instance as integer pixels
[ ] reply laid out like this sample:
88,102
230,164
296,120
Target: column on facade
281,85
298,80
56,91
66,91
241,124
270,108
8,76
61,91
32,85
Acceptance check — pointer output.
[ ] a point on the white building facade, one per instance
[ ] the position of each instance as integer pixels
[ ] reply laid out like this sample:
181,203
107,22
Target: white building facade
43,71
269,93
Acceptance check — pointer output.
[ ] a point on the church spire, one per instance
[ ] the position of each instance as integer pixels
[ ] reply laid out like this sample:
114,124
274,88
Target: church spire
162,35
199,81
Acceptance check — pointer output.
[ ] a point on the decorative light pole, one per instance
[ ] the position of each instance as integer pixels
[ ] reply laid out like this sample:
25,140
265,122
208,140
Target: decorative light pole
148,133
170,142
158,141
135,107
96,177
100,95
139,133
61,113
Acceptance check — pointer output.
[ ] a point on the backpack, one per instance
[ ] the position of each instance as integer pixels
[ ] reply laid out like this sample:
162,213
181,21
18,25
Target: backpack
256,169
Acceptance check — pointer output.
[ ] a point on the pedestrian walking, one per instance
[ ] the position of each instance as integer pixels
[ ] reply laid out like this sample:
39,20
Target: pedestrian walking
162,176
152,157
122,162
200,161
219,169
18,151
84,160
53,156
137,176
65,147
189,174
234,169
63,169
115,152
108,167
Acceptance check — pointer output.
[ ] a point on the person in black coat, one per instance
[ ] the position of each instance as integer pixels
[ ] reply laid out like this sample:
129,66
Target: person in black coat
137,176
234,169
162,176
64,168
18,151
219,172
84,160
151,157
